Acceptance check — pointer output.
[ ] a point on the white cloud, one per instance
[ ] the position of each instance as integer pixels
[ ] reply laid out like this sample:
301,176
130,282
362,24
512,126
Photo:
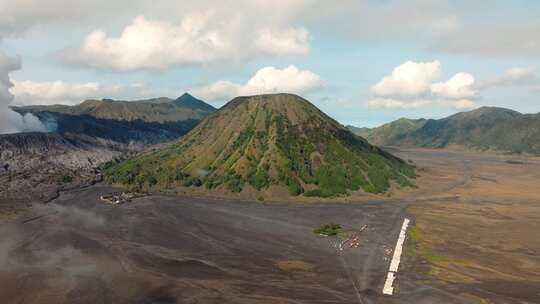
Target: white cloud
266,80
408,79
412,85
290,80
10,121
153,45
291,41
198,39
218,90
452,26
461,85
512,76
29,92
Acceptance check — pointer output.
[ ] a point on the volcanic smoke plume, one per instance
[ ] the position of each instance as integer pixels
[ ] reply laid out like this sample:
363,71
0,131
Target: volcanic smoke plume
11,121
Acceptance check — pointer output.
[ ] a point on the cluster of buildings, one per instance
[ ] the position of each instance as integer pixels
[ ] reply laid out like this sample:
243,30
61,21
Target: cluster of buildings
120,198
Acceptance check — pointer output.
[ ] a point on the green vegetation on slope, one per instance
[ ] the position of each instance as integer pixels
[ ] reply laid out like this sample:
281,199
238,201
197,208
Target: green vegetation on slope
267,140
390,133
486,128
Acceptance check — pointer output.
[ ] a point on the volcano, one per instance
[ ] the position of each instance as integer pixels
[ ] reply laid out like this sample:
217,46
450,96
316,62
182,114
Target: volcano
267,140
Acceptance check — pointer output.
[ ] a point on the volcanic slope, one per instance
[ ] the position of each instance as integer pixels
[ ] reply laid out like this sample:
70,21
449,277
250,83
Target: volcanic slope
264,140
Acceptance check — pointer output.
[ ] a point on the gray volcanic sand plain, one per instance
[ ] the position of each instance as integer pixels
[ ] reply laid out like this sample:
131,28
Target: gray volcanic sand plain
161,249
164,249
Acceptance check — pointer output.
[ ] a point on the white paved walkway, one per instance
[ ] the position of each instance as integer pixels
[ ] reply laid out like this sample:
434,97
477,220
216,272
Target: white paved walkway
388,288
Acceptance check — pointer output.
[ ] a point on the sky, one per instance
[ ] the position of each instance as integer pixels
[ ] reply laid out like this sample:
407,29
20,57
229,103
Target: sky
363,62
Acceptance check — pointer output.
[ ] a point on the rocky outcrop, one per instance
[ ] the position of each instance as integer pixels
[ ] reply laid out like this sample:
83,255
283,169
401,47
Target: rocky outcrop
35,166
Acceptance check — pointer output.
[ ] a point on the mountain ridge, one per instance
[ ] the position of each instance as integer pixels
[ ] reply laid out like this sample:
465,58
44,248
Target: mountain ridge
485,128
159,110
140,122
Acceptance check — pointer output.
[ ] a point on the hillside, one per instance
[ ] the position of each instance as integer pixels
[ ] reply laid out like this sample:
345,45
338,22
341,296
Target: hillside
277,139
362,132
390,132
486,128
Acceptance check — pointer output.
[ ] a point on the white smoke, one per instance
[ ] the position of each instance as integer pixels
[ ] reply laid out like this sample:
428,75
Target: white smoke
11,121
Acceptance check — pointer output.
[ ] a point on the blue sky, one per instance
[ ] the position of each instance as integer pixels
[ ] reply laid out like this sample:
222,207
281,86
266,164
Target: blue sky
363,62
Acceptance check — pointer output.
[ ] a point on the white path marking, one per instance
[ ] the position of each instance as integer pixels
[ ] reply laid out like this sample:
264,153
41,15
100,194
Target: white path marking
388,288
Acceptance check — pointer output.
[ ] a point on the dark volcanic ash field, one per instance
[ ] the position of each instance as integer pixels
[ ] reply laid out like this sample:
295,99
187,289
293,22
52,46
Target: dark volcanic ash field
160,249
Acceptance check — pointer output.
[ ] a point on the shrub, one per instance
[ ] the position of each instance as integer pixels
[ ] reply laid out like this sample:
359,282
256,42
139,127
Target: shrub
318,193
331,181
294,186
194,181
328,229
235,184
260,179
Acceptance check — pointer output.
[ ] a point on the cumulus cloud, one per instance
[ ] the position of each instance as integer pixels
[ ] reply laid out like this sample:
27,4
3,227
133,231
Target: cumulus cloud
266,80
412,85
10,121
408,79
291,41
218,90
446,25
461,85
29,92
152,45
199,39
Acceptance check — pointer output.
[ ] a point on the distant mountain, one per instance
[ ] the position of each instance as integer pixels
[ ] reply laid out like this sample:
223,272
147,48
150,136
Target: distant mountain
188,101
390,132
486,128
362,132
267,140
139,122
158,110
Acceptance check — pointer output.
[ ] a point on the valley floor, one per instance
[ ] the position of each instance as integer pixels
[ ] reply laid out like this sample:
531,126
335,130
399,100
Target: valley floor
473,239
477,225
